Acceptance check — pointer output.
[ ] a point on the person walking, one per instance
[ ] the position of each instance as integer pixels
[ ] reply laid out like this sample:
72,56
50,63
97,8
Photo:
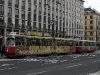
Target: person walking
2,50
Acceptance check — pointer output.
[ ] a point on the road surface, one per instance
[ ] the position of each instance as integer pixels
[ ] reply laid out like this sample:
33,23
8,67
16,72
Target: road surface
75,64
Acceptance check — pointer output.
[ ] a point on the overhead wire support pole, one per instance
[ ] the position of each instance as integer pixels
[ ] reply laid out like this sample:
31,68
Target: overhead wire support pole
5,32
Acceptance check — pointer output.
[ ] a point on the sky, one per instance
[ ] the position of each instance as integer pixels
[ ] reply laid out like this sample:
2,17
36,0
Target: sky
95,4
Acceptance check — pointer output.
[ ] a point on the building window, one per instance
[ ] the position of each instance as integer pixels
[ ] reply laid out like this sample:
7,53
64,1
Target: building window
85,33
1,9
9,11
85,27
91,33
91,27
85,22
35,17
85,17
91,17
34,26
17,3
85,38
39,18
29,15
1,21
44,19
9,2
16,13
89,38
44,27
1,1
91,22
40,26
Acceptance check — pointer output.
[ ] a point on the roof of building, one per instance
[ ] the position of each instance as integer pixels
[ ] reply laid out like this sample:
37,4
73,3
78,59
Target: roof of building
82,0
90,10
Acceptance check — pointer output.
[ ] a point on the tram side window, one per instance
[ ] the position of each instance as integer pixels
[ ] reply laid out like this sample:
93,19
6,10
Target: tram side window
58,42
92,43
86,43
80,43
33,41
10,41
49,42
28,42
69,43
64,43
38,42
44,42
77,44
19,41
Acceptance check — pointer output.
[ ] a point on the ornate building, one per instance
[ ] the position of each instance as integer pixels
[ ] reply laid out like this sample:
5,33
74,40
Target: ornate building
92,24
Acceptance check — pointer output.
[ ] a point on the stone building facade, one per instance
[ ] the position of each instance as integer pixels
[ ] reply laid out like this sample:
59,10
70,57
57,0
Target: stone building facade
63,18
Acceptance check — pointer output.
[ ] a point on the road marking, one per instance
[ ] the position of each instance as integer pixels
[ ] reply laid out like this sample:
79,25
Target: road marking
6,65
63,60
96,73
7,68
74,66
96,61
37,73
17,59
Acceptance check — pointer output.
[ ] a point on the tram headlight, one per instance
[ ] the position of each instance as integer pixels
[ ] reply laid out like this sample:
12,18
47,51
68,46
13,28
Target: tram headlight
6,49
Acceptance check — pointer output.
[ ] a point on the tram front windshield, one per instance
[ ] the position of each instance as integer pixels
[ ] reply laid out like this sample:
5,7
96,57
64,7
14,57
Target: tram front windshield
10,42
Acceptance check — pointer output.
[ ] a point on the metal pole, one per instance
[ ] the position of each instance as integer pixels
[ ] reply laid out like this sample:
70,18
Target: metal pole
53,30
5,31
43,31
96,33
25,26
19,28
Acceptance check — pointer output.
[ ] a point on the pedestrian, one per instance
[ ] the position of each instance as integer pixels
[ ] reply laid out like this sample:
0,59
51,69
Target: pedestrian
0,49
3,50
